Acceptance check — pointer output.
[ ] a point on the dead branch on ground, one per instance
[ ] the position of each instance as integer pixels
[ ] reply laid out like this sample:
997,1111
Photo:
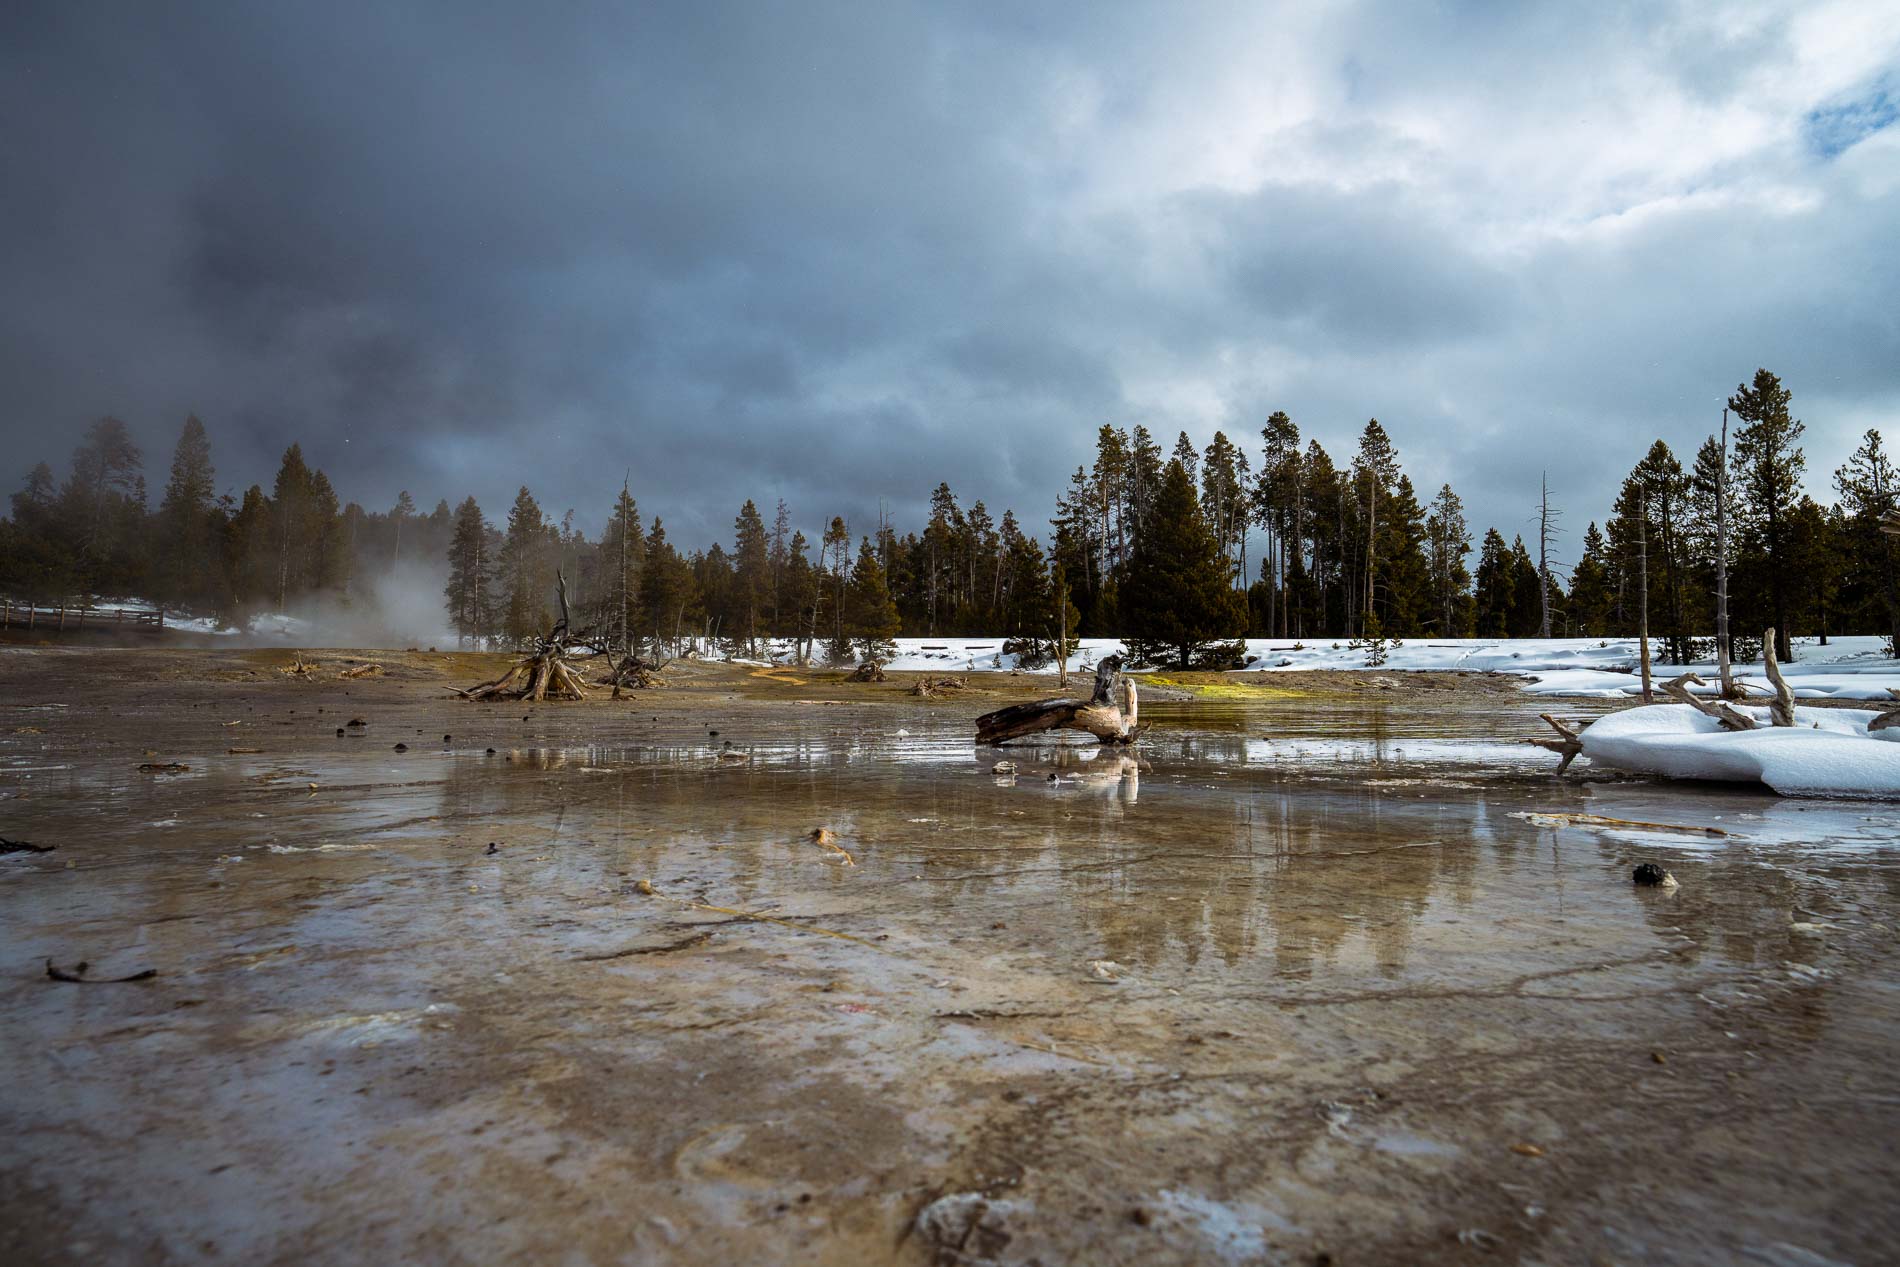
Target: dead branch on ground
869,671
1677,689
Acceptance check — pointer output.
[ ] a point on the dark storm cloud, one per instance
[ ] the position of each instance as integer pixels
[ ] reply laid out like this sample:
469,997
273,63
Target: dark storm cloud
836,254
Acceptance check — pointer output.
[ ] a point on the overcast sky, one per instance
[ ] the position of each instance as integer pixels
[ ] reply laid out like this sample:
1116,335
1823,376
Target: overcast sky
835,253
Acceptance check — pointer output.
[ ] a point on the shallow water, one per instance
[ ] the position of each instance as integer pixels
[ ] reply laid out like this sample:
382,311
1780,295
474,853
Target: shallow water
1271,946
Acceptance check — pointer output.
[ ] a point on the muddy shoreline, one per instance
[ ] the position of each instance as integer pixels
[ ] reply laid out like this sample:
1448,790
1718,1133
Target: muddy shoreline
1258,994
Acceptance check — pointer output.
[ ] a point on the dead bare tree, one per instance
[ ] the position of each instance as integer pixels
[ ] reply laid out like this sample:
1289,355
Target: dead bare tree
1109,714
1642,618
1723,666
1546,525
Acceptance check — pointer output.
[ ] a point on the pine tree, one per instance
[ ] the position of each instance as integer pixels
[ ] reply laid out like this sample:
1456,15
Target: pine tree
1179,598
1449,539
872,618
751,570
399,514
101,508
526,577
1590,596
1768,464
1870,492
1496,593
188,563
469,601
623,550
1374,471
1524,586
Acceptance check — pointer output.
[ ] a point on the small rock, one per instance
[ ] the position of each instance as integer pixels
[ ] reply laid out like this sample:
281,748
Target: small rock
493,848
1648,873
402,747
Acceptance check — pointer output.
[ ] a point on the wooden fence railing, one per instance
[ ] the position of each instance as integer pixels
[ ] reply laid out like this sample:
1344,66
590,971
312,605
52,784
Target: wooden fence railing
61,618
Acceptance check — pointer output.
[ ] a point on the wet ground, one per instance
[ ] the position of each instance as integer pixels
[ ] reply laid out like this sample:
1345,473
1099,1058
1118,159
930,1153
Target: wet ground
1313,977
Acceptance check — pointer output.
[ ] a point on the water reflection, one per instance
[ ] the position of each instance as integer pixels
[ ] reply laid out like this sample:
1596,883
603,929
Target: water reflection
1296,863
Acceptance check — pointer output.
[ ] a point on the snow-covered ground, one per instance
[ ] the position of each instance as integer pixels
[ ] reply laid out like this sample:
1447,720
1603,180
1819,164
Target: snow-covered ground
1827,752
1847,668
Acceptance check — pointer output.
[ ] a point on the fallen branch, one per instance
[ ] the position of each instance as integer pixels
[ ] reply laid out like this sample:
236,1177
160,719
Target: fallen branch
928,687
869,671
1568,744
1109,714
362,670
1677,689
23,846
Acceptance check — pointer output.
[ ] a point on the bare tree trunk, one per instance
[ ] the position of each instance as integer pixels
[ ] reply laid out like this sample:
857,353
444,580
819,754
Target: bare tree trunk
1062,635
1543,558
1722,649
1642,620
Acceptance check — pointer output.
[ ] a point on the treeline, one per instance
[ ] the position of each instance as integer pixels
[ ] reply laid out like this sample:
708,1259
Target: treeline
94,534
1178,551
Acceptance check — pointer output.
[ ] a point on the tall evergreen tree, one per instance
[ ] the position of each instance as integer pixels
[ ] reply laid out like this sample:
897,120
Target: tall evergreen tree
751,569
1869,493
1449,541
188,562
526,576
469,601
1768,464
872,615
1495,598
1179,598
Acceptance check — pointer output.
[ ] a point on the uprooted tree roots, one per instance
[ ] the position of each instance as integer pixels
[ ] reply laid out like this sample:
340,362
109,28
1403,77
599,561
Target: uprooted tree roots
544,674
632,672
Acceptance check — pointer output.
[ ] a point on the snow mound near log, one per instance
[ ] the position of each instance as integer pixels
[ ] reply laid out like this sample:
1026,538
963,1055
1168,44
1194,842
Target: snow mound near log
1828,752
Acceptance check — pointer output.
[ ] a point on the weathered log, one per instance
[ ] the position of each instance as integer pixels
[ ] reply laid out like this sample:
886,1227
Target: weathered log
1109,714
1677,688
1781,710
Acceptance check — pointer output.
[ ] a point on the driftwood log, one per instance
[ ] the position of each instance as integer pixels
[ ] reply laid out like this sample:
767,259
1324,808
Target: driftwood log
1109,714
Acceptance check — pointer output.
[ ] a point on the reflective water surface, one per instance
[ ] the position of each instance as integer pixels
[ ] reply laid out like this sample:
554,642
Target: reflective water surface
1281,982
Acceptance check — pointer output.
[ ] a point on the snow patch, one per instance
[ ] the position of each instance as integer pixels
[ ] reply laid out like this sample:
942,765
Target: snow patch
1828,752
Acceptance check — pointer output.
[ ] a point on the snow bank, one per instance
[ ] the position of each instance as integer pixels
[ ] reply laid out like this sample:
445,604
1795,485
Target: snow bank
1847,668
1828,752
